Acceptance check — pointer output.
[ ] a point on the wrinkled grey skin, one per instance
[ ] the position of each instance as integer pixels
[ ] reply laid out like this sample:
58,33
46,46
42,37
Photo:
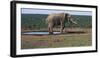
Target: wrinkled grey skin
58,19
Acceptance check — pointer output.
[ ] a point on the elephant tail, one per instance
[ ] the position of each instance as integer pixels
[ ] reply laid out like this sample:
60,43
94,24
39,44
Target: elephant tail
46,20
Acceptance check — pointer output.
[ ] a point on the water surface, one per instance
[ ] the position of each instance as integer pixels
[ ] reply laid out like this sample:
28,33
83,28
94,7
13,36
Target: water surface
38,33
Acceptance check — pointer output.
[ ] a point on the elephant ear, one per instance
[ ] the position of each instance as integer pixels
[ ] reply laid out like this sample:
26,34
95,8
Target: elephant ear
69,18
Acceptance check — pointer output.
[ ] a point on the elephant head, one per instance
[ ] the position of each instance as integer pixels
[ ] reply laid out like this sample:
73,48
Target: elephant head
58,19
69,18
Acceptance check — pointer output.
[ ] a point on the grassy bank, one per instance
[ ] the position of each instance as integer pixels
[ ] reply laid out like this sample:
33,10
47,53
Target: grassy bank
53,41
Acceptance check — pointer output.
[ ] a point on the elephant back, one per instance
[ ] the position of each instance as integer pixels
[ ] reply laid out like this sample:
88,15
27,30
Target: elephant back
55,17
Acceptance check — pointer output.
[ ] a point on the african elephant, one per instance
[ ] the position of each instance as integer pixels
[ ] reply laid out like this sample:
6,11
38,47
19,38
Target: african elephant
58,19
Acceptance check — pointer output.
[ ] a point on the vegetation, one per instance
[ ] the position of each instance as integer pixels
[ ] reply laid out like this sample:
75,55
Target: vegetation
37,21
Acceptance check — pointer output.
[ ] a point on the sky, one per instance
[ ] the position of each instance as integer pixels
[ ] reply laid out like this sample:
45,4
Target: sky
46,11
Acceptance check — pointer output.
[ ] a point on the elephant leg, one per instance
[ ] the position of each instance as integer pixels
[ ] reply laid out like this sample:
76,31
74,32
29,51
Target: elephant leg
62,28
50,28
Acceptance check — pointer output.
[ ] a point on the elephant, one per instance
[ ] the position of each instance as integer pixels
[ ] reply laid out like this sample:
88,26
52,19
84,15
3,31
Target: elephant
60,19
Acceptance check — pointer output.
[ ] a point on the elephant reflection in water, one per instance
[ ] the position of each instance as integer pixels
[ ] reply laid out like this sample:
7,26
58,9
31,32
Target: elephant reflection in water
58,19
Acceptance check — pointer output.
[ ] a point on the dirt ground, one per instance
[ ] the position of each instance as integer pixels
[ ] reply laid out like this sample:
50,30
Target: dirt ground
76,37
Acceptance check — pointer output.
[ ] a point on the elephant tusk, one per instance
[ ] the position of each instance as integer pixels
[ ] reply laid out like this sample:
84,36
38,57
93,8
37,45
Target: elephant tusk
73,21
